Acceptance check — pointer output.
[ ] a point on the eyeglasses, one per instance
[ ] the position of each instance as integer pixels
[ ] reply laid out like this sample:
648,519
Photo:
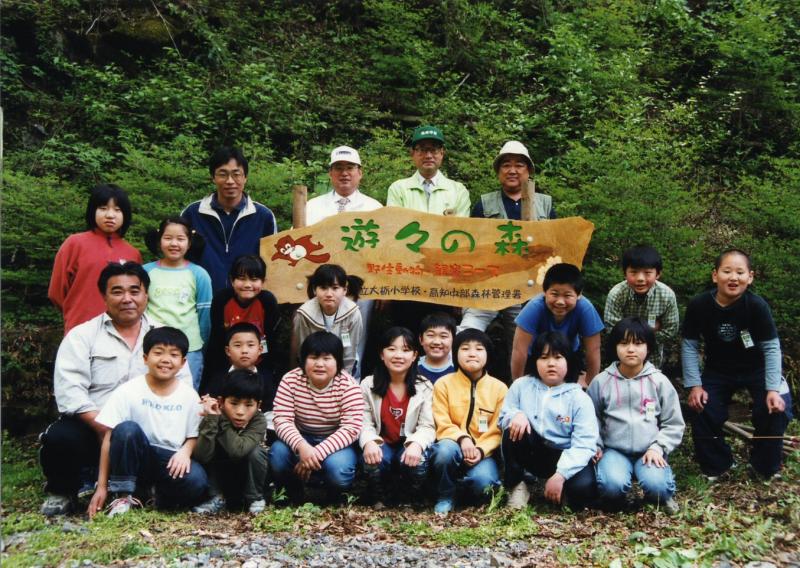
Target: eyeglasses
435,150
223,175
339,167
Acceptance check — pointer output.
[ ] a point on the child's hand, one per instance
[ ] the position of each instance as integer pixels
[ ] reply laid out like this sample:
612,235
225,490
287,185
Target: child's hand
372,453
97,502
775,402
598,455
179,464
412,455
308,458
698,398
210,405
471,454
652,457
554,487
519,427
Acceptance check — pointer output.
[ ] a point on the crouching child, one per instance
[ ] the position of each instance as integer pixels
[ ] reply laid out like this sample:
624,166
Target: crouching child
153,423
230,444
549,429
640,419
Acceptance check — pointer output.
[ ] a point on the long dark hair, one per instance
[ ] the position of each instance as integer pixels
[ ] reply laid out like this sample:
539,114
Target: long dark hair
381,378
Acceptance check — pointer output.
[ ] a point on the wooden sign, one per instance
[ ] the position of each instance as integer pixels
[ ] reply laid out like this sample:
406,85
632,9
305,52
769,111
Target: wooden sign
406,255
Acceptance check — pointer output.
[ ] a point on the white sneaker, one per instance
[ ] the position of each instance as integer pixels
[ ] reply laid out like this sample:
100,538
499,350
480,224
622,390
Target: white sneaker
257,507
519,496
57,505
211,507
122,505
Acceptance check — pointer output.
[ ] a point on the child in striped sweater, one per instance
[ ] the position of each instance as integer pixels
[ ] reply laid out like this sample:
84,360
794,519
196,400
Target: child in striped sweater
318,413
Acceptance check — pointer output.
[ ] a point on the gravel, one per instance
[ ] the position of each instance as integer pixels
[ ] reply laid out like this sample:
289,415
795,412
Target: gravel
274,551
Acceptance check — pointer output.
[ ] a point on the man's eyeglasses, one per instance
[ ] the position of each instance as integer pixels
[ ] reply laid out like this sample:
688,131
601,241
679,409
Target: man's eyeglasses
435,150
223,175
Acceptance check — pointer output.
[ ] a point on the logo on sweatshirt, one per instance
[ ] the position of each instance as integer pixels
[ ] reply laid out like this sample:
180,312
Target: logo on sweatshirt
396,412
563,419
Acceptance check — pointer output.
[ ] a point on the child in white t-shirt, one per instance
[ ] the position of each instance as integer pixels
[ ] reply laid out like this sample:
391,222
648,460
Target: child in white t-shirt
153,425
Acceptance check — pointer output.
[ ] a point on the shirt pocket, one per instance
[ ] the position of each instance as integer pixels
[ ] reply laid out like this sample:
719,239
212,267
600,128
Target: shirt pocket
105,369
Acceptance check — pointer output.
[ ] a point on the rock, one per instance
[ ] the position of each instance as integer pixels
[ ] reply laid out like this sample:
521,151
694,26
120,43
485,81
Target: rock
499,559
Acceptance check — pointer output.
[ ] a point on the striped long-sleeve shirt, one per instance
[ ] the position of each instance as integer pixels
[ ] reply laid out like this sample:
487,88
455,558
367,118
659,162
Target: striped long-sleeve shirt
336,411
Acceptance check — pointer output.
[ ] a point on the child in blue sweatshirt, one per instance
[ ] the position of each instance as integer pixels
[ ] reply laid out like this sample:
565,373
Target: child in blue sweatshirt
549,429
640,419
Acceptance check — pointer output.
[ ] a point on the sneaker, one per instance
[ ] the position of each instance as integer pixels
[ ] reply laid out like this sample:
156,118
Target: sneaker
671,506
519,496
211,507
443,507
257,507
57,505
122,505
86,490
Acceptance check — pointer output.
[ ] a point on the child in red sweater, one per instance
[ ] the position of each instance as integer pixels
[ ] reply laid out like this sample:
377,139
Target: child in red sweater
81,258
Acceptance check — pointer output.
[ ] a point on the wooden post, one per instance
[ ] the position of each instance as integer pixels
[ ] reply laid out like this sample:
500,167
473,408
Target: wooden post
299,199
528,206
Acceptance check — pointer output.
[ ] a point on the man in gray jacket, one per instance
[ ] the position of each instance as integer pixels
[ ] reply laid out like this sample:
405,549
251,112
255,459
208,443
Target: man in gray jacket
93,359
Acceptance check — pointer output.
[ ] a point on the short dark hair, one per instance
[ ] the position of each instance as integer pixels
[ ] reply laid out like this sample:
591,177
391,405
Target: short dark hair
471,334
326,275
249,266
165,336
225,154
381,378
242,383
438,319
563,273
729,251
100,195
320,343
354,285
122,269
628,329
242,327
556,343
641,256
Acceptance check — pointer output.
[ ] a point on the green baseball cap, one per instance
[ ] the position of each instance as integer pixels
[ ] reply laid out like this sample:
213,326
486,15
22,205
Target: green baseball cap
427,132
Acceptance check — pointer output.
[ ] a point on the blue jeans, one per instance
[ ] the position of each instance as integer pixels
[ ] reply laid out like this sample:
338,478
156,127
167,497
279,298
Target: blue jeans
135,463
615,473
195,360
712,452
448,469
378,474
337,473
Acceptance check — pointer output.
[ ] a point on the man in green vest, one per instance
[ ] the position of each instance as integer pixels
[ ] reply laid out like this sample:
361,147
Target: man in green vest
428,189
513,166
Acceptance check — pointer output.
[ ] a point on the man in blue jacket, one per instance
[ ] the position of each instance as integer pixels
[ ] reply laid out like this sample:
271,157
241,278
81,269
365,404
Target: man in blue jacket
230,222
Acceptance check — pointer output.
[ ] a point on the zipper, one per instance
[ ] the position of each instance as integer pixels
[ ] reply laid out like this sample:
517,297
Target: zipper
471,406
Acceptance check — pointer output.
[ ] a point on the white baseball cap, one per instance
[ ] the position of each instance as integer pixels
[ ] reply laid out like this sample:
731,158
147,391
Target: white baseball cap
513,147
345,154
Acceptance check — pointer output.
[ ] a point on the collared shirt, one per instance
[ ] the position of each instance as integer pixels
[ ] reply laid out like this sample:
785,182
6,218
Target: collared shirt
448,196
436,179
228,219
326,205
93,359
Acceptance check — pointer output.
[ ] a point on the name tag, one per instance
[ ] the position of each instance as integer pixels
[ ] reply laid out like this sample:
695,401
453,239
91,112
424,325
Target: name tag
403,430
483,424
346,339
650,411
651,321
264,348
747,339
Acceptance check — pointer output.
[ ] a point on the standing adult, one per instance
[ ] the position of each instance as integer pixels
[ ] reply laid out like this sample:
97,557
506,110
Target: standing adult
513,166
345,171
231,223
429,190
93,359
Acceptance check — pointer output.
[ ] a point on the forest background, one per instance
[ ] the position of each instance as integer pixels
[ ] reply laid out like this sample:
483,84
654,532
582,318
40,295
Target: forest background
668,122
